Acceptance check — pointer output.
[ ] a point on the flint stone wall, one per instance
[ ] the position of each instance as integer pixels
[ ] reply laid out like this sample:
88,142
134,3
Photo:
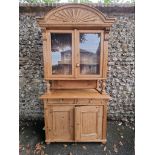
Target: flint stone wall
120,81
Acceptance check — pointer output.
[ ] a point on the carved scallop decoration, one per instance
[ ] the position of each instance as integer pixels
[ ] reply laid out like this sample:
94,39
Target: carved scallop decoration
74,16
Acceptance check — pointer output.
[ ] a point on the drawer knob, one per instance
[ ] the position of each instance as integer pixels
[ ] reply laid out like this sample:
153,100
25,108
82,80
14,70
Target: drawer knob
77,65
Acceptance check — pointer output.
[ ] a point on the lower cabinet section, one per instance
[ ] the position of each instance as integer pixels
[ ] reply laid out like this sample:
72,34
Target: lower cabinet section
65,123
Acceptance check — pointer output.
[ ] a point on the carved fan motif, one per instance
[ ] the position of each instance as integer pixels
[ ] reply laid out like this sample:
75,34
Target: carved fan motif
74,15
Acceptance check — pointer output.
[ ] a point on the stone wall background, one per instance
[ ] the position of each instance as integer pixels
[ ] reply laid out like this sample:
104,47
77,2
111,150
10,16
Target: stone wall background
120,81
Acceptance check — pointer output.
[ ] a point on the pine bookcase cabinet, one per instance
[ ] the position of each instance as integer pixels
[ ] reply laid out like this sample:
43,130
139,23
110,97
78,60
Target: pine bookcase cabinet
75,52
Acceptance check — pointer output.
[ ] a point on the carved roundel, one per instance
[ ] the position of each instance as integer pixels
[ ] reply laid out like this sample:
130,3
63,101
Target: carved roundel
75,14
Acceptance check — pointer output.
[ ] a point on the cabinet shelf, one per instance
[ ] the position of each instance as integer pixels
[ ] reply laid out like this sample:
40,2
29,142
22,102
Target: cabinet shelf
83,93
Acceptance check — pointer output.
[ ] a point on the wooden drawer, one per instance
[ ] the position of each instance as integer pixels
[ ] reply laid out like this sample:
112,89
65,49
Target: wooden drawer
89,101
82,101
59,101
75,101
96,101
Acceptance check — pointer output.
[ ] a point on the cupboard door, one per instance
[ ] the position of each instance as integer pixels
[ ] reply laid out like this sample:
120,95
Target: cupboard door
61,123
61,53
90,53
88,123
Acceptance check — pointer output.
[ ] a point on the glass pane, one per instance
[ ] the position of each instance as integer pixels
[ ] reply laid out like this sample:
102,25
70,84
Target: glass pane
61,50
90,53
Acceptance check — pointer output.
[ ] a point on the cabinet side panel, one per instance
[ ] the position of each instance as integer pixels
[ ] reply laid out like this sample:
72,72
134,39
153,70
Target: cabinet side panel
100,123
45,120
48,121
104,120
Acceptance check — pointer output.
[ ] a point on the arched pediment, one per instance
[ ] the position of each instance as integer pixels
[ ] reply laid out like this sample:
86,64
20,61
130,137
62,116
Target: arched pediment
75,15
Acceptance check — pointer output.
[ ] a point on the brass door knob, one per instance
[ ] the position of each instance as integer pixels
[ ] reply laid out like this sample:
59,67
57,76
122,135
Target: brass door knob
77,65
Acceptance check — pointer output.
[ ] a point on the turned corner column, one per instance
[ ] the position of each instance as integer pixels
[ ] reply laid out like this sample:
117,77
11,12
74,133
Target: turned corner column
48,89
103,85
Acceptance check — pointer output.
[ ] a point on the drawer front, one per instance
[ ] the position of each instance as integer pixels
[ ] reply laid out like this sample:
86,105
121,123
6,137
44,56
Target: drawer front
61,101
96,101
89,101
76,101
83,101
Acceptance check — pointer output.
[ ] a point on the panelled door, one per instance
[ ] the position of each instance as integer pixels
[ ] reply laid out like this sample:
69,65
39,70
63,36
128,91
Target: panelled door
60,122
88,123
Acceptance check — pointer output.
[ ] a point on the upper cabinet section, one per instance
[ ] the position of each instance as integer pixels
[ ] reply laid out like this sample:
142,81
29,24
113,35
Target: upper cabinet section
75,43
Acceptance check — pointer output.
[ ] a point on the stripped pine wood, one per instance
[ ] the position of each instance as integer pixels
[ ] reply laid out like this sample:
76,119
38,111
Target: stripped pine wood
75,102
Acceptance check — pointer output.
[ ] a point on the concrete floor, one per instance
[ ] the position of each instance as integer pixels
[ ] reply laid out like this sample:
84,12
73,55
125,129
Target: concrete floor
120,141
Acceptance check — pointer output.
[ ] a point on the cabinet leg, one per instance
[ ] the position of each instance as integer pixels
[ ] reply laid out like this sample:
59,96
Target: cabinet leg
104,142
47,143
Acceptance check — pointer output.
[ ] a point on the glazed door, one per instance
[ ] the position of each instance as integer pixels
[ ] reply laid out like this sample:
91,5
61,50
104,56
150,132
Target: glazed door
61,53
88,123
60,122
89,54
74,54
